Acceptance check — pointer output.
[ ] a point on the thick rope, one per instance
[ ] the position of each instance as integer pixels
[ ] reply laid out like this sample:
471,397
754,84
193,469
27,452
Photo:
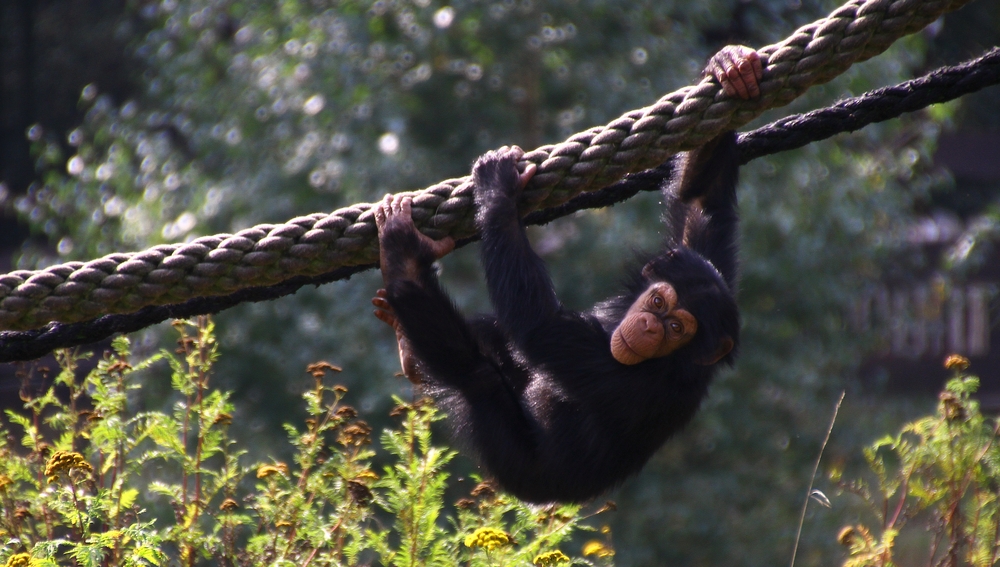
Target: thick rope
942,85
319,243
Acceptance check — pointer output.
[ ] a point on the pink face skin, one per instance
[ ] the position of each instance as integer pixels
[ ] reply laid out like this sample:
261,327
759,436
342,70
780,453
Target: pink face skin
653,327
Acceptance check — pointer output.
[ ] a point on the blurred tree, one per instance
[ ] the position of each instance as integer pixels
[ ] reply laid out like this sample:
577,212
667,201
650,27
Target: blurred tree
973,143
254,111
50,49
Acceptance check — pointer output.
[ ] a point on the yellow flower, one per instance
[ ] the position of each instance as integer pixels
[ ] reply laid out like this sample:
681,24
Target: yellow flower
367,475
858,539
318,369
19,560
956,362
847,535
551,559
270,470
487,538
594,547
355,434
62,462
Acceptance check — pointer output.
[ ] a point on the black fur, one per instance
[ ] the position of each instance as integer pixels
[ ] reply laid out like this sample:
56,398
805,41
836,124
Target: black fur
534,390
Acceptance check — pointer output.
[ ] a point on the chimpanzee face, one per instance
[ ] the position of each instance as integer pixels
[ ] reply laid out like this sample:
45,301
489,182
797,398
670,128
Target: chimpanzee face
654,326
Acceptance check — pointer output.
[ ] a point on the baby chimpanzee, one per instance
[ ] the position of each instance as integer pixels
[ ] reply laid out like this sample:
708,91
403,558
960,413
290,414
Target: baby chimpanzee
560,405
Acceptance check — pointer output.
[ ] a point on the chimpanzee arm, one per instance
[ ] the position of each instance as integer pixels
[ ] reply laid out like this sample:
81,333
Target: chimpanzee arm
435,330
706,180
705,185
519,285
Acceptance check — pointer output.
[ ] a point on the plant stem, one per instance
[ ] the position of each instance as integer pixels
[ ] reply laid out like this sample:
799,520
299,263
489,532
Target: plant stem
805,505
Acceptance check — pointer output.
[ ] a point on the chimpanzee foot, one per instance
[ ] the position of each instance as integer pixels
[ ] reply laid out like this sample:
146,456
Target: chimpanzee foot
383,311
400,243
407,360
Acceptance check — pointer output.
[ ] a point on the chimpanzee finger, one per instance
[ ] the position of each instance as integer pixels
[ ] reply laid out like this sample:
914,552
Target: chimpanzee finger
380,211
387,318
381,301
753,89
525,177
751,72
402,206
718,68
757,64
736,80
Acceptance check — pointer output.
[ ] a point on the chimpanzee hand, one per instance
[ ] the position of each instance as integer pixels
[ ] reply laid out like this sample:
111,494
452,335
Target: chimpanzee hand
403,250
496,177
738,68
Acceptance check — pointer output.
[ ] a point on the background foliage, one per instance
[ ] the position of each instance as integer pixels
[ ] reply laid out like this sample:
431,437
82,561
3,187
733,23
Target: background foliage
173,488
245,111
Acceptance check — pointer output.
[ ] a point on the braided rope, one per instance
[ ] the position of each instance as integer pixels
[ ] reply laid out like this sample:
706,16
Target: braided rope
941,85
319,243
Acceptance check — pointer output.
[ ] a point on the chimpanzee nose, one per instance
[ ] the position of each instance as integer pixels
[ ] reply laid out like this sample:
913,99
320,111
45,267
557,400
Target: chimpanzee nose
649,324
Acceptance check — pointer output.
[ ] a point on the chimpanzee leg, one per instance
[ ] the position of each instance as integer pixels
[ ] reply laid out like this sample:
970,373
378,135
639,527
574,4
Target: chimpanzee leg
474,385
519,285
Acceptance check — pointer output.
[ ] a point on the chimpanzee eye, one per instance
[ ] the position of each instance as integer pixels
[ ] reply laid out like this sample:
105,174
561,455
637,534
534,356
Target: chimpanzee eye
676,327
658,302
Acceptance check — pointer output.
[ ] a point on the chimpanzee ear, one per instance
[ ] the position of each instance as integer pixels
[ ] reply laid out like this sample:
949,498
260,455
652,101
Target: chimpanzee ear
648,273
725,345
